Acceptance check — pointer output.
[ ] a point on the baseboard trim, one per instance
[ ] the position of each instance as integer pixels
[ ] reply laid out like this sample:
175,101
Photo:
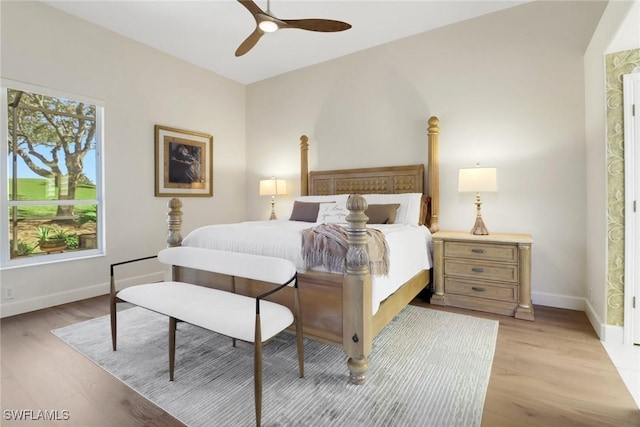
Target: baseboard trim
597,323
558,301
611,334
32,304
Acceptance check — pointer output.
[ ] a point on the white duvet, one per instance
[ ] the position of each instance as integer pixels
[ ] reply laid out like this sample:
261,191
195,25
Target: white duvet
409,247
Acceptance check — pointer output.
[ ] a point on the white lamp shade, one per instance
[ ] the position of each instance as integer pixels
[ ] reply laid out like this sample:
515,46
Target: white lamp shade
477,180
273,187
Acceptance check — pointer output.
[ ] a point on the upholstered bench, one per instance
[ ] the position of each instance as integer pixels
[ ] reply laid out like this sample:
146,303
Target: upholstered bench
250,319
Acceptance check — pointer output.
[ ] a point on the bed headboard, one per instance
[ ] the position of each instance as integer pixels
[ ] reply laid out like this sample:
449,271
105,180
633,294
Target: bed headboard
379,180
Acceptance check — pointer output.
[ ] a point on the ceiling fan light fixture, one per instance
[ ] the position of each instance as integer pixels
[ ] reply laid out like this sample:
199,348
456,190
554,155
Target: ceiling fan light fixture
266,22
268,26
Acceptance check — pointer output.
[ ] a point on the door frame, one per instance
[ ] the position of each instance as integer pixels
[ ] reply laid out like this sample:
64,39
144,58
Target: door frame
631,89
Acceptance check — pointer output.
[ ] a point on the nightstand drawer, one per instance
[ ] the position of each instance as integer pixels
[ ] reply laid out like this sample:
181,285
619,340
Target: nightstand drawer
481,251
482,290
481,270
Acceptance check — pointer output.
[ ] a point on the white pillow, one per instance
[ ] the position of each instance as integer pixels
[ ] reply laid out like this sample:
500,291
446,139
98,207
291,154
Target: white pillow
409,210
332,213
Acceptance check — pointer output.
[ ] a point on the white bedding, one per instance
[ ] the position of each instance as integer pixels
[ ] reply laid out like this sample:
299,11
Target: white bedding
409,247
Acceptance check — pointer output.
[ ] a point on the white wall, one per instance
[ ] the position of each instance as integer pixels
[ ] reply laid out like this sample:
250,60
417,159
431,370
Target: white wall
509,90
140,87
618,30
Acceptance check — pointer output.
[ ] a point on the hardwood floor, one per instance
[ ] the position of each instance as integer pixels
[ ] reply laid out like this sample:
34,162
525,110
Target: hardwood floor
551,372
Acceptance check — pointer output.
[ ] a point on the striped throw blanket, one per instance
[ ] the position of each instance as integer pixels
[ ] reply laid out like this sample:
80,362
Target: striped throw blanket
326,246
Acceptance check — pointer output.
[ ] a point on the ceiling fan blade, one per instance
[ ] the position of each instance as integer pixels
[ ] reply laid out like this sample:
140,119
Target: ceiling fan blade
266,19
249,42
321,25
253,8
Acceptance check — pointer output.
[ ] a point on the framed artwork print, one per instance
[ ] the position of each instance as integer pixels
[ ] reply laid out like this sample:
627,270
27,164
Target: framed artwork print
184,163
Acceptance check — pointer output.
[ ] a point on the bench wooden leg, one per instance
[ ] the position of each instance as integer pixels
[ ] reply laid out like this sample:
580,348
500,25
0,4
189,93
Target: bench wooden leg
257,371
172,346
233,290
114,322
299,334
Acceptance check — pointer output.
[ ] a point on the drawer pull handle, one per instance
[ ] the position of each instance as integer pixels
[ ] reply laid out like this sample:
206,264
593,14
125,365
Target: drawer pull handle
478,289
477,251
477,270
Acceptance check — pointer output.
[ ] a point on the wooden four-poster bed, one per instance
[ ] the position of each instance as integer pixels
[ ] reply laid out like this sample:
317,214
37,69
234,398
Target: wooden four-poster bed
337,308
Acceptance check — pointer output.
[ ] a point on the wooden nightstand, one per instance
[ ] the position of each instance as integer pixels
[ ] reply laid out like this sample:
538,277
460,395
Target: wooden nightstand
487,273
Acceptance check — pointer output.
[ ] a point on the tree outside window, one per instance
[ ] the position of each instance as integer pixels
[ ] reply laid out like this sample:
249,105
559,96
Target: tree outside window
53,178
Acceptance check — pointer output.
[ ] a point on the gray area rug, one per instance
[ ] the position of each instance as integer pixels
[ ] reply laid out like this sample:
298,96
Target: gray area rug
427,368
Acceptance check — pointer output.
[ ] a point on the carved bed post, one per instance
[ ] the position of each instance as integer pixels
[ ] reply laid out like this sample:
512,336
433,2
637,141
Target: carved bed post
304,165
357,329
434,173
174,223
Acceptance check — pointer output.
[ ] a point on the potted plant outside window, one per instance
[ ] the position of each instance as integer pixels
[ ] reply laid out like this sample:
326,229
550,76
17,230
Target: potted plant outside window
50,240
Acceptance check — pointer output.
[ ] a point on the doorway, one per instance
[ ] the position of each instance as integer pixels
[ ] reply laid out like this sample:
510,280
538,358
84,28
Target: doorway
631,87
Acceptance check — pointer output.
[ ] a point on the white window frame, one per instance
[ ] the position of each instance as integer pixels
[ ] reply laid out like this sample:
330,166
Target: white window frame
5,257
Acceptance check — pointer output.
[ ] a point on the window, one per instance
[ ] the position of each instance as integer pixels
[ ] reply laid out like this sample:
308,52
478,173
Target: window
52,191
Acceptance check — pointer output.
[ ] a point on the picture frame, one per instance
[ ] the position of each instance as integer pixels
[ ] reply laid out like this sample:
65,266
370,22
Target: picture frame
183,163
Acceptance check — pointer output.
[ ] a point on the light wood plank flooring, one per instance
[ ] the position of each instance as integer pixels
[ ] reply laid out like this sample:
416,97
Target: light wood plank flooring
551,372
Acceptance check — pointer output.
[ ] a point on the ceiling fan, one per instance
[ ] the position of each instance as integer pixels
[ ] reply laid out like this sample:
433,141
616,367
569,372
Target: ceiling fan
266,22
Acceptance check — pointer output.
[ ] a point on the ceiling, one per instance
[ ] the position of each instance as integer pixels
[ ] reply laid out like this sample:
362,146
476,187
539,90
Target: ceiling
207,32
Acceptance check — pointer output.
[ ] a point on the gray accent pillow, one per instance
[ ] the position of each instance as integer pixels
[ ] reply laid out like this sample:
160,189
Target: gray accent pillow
304,211
382,214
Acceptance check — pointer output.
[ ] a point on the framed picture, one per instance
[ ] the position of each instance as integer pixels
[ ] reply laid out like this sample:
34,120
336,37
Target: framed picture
184,163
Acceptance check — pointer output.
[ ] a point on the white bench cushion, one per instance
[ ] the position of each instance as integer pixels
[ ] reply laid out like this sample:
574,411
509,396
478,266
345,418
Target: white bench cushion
223,312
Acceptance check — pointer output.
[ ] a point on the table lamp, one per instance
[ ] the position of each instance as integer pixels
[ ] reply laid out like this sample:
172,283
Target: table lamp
273,187
477,180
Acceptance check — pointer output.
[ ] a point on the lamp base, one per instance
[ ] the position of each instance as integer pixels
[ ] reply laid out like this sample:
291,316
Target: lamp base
273,209
479,229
